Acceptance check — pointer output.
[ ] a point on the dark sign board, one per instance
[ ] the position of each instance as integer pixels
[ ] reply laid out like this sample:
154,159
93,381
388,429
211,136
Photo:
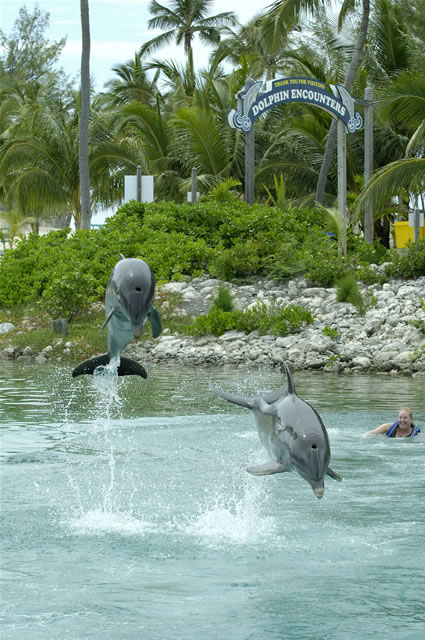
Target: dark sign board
251,102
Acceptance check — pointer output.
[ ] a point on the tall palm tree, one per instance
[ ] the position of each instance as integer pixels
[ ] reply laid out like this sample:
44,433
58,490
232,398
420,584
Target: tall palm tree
349,78
402,102
182,20
131,83
84,117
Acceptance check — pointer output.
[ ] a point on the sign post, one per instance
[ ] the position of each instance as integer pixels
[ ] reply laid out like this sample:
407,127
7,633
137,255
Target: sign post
368,161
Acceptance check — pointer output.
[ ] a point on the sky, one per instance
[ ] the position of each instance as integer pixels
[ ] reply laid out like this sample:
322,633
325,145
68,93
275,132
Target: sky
117,28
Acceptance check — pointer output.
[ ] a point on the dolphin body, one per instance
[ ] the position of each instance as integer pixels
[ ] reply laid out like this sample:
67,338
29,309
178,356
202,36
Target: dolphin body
292,432
129,301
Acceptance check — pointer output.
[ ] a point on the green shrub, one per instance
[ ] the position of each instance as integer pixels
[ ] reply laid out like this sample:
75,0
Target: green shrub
348,291
330,332
223,299
324,266
369,253
276,321
367,274
410,264
288,261
241,261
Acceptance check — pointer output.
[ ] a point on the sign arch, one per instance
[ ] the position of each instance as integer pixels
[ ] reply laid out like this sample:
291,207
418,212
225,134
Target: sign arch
251,102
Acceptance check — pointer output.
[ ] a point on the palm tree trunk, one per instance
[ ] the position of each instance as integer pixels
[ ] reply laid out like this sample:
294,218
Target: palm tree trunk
330,144
84,117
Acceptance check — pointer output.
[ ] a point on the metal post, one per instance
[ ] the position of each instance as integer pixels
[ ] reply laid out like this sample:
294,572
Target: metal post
249,165
368,161
139,183
342,167
194,186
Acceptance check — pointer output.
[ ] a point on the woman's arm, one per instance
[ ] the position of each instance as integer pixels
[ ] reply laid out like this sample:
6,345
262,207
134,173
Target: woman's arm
381,429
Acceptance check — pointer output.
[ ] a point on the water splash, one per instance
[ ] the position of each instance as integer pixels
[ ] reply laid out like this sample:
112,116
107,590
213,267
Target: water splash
102,522
97,501
233,520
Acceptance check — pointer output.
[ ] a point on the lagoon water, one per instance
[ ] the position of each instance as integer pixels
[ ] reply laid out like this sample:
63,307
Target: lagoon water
127,512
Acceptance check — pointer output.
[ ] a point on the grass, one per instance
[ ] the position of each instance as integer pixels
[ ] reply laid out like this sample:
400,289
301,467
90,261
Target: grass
33,329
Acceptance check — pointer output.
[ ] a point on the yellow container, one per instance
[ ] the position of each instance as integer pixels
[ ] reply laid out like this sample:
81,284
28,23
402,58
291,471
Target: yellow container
404,233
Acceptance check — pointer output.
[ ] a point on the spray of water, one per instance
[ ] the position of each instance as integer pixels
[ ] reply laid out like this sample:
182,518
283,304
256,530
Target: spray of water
235,519
97,507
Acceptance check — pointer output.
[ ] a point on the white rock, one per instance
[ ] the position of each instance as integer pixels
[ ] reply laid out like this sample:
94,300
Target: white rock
5,327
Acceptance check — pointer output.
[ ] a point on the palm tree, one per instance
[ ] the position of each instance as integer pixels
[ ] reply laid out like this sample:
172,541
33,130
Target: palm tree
349,78
131,83
39,164
402,103
84,117
183,19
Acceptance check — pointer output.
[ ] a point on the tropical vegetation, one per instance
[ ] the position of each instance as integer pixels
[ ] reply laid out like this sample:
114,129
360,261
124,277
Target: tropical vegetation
169,118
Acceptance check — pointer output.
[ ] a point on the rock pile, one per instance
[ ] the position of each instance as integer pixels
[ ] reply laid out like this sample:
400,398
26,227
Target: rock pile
340,339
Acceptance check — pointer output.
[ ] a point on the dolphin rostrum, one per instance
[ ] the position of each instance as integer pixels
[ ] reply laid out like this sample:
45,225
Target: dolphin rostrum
292,432
129,301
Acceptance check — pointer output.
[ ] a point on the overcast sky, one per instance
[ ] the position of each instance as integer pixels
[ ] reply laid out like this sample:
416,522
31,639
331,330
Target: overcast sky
118,28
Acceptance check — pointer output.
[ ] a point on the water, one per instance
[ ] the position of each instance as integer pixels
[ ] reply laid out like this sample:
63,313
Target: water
127,512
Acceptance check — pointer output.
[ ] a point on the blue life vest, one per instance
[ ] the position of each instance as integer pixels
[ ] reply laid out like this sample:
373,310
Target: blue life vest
391,433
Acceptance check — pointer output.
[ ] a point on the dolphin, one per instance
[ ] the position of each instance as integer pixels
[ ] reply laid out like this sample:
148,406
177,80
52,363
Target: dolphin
129,301
292,432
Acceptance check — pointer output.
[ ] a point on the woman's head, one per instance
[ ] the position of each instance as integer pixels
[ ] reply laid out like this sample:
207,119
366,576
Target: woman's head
405,416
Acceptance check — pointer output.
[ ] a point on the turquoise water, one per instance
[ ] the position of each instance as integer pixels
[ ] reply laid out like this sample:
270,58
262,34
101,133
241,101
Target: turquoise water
127,512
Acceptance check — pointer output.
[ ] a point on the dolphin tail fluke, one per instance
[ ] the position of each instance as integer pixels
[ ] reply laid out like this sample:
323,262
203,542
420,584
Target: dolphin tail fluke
266,469
88,366
334,474
127,367
155,321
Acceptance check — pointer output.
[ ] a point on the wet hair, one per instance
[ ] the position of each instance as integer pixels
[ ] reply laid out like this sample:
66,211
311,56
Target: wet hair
407,411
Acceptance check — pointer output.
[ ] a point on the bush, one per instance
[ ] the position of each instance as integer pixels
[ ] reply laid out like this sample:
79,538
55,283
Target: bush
348,291
241,261
410,264
223,299
276,321
324,266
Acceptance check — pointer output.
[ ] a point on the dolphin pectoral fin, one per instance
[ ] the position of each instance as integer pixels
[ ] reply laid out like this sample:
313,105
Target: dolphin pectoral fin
88,366
155,321
333,474
241,401
129,367
267,469
108,317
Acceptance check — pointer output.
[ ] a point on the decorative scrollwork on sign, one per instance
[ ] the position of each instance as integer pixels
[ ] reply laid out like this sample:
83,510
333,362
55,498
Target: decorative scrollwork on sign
355,123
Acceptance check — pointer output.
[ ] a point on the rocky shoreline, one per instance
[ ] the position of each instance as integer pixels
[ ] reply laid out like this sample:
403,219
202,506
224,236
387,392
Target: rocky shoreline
340,340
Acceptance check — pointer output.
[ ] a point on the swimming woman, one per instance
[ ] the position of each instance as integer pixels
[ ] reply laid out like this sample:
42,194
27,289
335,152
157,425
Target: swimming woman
403,427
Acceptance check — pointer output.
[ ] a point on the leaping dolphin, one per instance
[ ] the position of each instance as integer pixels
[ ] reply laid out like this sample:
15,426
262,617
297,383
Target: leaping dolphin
292,432
129,301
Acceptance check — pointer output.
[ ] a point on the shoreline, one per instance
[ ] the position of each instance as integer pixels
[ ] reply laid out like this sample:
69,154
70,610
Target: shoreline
340,340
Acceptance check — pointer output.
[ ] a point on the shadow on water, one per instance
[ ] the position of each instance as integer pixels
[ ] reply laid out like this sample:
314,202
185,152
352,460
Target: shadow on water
128,513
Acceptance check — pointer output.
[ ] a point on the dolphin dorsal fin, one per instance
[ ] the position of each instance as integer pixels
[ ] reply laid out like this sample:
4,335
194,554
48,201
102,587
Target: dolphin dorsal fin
122,257
291,386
